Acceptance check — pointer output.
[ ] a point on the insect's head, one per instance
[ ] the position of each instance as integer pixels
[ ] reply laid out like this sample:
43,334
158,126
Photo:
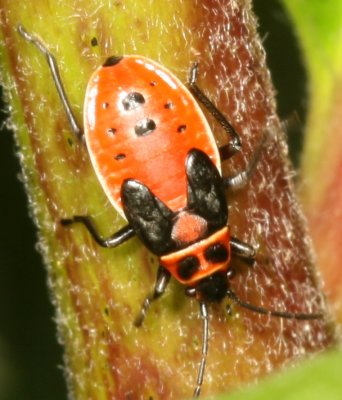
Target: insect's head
211,289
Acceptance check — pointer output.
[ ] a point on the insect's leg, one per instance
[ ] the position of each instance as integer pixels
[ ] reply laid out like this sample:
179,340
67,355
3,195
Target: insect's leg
273,313
239,180
163,278
243,250
205,337
118,238
56,78
235,145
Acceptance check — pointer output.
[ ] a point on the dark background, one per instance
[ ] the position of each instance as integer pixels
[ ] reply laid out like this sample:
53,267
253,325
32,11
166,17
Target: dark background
30,358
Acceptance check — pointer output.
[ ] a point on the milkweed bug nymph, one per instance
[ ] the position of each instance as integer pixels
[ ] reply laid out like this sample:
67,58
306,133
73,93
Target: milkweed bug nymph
157,160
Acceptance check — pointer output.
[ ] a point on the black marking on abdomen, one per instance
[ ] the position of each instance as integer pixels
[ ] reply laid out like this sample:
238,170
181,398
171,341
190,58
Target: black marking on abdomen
111,131
181,128
145,127
133,100
120,156
113,60
169,105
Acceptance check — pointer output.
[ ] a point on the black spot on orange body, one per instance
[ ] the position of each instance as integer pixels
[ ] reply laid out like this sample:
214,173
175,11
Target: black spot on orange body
133,100
111,61
216,253
145,127
190,265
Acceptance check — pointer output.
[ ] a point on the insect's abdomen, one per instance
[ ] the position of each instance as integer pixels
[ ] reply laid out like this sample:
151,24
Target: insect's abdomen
140,123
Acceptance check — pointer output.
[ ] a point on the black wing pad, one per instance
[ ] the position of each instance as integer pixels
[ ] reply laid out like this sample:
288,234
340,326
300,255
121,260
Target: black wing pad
150,217
206,196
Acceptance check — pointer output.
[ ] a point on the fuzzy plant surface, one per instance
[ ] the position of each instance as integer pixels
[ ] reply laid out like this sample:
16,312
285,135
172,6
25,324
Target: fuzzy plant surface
97,292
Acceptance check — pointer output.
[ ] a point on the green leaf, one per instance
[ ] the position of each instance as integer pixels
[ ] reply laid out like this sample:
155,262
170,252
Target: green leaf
318,24
319,28
315,379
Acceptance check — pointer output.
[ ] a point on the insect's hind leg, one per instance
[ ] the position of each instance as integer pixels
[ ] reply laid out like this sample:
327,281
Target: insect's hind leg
233,147
239,180
116,239
56,78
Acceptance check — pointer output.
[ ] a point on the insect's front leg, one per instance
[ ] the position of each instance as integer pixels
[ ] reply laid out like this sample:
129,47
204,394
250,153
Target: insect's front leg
77,130
116,239
163,279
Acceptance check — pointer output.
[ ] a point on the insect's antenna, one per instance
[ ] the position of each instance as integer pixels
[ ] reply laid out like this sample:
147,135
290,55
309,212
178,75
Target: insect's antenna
205,335
265,311
56,78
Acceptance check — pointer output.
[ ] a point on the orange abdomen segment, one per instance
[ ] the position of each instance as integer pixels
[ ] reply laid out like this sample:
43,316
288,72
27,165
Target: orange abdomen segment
140,123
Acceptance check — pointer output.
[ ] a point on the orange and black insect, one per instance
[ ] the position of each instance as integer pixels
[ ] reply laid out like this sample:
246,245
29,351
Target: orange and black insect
157,160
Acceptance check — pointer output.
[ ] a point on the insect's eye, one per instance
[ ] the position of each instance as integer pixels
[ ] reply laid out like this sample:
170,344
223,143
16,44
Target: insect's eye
188,266
216,253
133,100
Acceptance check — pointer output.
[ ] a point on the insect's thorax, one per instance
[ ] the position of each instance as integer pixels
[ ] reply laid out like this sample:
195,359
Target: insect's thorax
199,259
